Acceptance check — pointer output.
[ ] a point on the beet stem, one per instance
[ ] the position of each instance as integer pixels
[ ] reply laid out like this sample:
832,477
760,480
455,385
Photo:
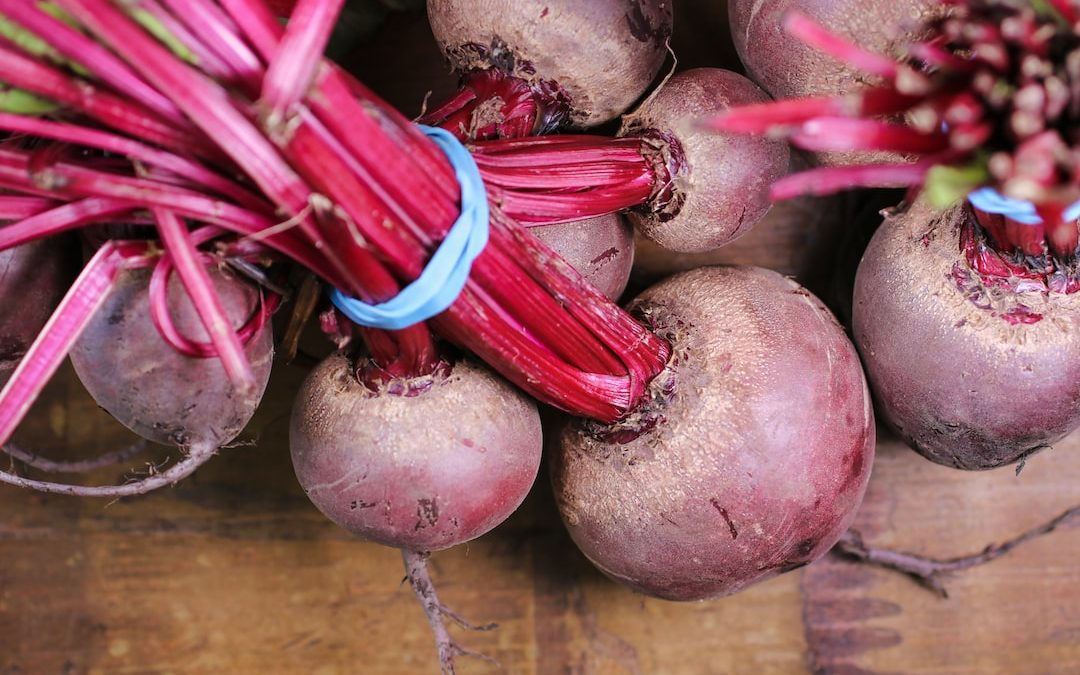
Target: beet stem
381,215
204,297
197,173
293,68
218,33
80,48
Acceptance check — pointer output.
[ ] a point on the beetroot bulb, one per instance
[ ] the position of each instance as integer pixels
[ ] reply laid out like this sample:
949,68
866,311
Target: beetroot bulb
752,457
534,64
33,279
787,68
601,249
423,464
420,463
153,389
718,180
975,364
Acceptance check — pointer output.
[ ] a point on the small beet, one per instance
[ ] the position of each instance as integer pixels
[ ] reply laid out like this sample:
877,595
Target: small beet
752,457
33,280
974,371
601,249
787,68
441,465
719,183
600,55
154,390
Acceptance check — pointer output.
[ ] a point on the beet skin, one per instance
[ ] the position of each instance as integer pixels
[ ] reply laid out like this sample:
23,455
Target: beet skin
33,280
760,453
602,54
156,391
972,372
421,472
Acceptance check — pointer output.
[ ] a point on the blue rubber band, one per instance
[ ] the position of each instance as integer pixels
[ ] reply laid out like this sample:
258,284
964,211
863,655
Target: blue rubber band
1022,211
442,280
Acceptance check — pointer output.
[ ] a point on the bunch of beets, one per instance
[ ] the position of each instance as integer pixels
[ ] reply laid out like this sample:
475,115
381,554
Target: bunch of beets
205,165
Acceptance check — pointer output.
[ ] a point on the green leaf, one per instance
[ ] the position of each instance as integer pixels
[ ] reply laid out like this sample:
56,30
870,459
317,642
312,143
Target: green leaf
946,185
22,102
159,31
1045,9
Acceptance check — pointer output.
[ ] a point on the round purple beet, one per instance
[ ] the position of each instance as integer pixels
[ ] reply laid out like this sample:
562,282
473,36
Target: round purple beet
600,249
33,280
156,391
718,184
421,472
751,458
787,68
973,372
601,54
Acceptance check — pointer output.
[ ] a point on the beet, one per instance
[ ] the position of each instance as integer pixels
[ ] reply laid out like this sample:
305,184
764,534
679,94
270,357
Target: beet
973,371
719,183
599,55
601,249
787,68
33,280
423,471
751,459
156,391
798,237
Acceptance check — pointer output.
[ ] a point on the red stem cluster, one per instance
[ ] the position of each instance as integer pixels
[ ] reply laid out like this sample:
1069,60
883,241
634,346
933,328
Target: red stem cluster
252,134
986,94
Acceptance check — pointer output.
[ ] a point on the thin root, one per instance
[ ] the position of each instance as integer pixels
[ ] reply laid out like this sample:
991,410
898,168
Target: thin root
928,572
36,461
177,472
416,572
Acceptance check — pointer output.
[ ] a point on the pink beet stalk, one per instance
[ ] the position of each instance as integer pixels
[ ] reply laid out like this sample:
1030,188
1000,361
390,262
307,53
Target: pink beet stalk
217,32
293,67
177,240
79,48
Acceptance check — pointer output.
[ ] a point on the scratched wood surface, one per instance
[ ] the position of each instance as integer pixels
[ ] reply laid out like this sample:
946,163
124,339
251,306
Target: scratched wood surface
233,571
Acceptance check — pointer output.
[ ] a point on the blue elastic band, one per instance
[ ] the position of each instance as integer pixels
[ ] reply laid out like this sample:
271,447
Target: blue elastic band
1022,211
439,285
